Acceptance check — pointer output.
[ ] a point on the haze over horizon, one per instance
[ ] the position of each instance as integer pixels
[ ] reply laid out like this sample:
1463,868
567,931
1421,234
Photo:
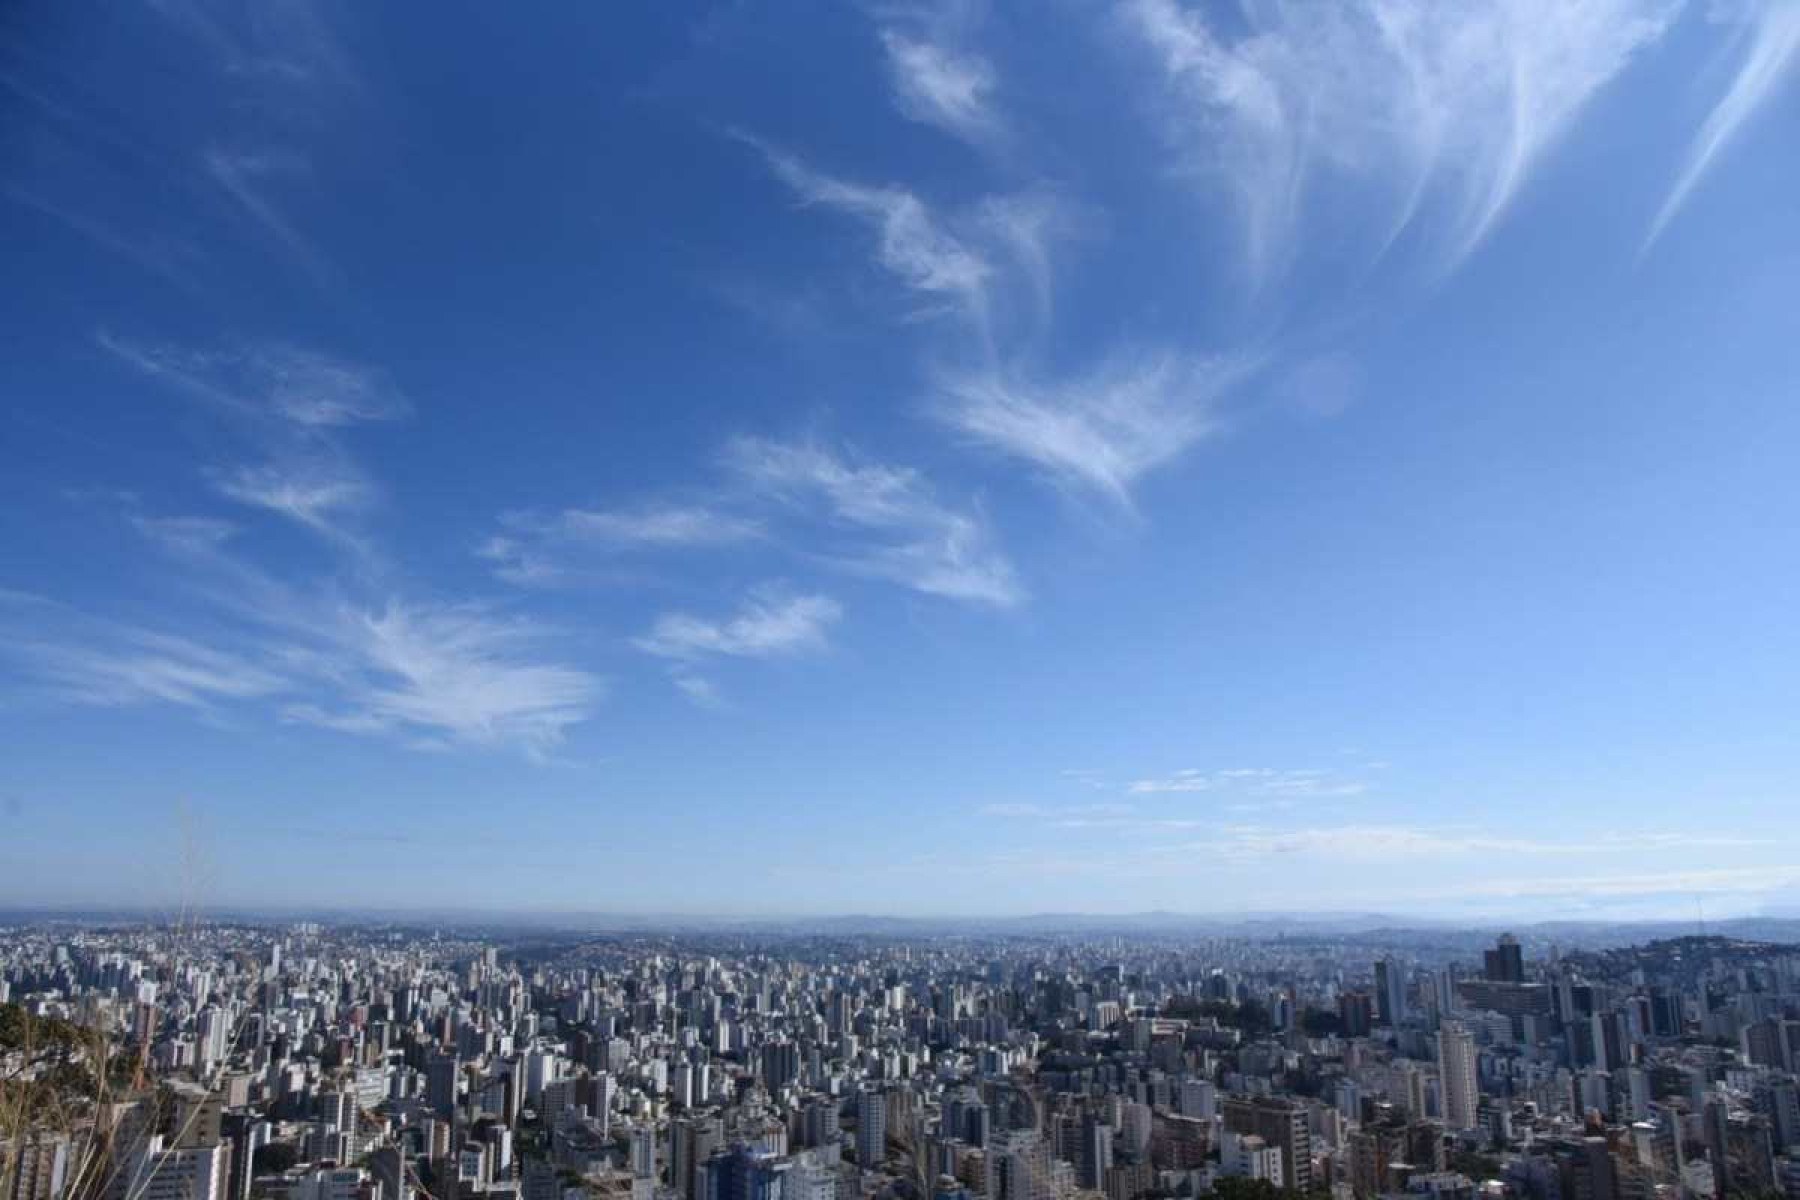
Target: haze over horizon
887,459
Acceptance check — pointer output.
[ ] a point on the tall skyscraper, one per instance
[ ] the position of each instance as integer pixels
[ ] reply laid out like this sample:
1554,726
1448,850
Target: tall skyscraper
1017,1166
643,1152
692,1141
871,1128
441,1072
780,1064
1095,1150
1505,963
1456,1076
1390,992
1356,1014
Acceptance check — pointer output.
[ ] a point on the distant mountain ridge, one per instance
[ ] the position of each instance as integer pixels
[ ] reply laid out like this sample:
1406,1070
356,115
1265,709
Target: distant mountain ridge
1350,926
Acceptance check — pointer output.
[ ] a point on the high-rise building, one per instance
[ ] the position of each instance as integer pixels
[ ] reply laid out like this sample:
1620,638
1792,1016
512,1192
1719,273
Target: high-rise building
1282,1125
780,1065
871,1128
1457,1076
1356,1014
441,1072
155,1173
388,1165
34,1168
245,1133
1017,1166
1372,1150
1095,1150
1199,1098
1390,992
692,1141
740,1173
1609,1040
1505,963
1765,1043
643,1152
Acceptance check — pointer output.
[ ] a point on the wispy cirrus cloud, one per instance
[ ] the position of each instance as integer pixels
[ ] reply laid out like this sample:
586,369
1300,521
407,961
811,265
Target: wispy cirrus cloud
1437,871
408,670
988,263
268,381
187,534
1306,782
417,671
275,46
772,621
1058,812
912,244
1143,847
316,495
898,528
666,525
344,651
1398,113
1772,37
318,390
942,85
450,671
246,178
538,548
824,505
83,659
1370,842
1098,433
1095,432
287,69
700,691
170,259
293,405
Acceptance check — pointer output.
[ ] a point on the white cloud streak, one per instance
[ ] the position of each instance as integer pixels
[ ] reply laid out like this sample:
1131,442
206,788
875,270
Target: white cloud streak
911,244
904,534
771,622
85,660
939,85
241,176
874,520
1386,110
1773,37
416,671
291,402
1097,432
373,662
1258,781
269,381
1400,843
1100,433
1063,813
699,690
314,495
538,549
458,672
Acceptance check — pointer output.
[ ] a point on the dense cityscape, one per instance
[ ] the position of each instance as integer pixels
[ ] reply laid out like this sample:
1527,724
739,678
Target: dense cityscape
310,1062
899,600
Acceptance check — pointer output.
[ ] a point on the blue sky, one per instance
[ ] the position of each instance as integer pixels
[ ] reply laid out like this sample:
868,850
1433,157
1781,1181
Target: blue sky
891,459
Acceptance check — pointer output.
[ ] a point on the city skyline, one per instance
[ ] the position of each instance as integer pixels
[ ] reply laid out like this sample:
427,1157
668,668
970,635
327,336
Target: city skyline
329,1061
795,464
